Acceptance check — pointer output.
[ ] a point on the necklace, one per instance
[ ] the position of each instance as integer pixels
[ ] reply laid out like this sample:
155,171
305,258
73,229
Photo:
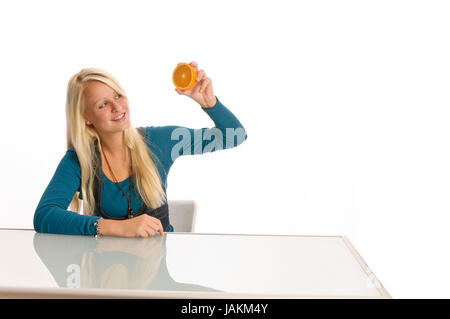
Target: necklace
130,211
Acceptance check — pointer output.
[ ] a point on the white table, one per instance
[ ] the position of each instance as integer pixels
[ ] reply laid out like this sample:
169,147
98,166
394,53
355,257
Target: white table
183,265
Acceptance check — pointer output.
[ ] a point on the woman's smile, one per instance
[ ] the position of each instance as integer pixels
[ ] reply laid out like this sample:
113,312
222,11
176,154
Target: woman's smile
120,118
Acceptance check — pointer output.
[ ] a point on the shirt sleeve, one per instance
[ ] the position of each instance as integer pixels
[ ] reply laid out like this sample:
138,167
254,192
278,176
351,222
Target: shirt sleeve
175,141
51,215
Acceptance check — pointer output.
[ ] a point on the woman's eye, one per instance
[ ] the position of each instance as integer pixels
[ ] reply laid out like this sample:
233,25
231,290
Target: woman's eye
118,96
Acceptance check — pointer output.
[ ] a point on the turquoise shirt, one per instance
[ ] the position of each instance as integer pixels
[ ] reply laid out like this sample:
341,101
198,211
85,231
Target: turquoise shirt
166,142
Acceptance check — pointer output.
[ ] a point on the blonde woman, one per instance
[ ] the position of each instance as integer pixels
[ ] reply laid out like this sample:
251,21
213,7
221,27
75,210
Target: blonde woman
119,172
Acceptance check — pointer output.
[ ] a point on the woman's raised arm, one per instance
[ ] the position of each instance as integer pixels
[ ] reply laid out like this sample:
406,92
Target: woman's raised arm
170,142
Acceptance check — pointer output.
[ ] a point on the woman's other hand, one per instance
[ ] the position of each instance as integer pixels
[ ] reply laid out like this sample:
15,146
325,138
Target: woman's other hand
202,92
141,226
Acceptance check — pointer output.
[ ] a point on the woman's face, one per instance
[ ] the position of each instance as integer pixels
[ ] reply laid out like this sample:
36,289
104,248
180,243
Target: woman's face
105,109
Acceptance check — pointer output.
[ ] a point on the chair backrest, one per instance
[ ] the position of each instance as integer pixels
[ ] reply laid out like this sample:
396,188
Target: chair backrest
182,215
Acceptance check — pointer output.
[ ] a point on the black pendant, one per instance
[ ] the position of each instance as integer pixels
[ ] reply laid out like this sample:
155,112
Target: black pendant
130,213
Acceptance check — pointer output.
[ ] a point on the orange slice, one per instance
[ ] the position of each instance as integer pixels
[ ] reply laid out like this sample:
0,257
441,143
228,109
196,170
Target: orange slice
184,76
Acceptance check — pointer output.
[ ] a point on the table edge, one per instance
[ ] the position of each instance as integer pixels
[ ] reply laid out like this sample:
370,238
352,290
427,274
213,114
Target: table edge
377,283
97,293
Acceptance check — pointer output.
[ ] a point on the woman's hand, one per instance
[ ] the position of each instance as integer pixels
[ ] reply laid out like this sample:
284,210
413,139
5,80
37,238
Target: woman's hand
202,92
141,226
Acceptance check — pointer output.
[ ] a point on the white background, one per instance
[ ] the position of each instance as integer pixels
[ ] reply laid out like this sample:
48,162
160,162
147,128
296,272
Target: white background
346,106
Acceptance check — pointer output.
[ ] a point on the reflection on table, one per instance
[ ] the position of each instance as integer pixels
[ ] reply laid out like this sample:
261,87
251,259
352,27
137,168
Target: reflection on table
109,262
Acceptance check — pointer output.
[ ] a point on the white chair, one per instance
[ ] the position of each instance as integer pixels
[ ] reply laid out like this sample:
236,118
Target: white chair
182,214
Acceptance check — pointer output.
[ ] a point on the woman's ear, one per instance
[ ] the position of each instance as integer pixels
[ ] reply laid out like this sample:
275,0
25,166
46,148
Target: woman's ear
86,119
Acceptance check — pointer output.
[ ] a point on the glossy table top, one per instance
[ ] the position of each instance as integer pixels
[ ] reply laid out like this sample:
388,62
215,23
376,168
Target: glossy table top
183,265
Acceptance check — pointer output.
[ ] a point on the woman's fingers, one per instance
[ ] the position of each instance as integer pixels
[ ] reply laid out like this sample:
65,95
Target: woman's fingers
151,232
204,85
155,224
146,231
200,75
147,226
160,228
195,65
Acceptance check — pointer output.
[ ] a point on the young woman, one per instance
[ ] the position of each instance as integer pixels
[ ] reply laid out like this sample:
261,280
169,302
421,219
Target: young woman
119,172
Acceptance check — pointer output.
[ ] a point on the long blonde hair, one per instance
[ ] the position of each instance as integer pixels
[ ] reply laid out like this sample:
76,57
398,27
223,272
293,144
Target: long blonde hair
83,137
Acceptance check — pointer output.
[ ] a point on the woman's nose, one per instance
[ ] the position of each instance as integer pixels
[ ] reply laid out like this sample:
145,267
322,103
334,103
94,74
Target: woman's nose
116,107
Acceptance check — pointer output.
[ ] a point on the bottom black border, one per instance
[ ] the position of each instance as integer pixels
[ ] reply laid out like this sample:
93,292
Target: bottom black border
237,308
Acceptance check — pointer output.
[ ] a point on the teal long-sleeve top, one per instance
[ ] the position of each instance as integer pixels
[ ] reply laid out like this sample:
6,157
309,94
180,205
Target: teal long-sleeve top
166,142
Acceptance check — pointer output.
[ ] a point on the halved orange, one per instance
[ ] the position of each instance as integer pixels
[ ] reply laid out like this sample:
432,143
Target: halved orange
184,76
